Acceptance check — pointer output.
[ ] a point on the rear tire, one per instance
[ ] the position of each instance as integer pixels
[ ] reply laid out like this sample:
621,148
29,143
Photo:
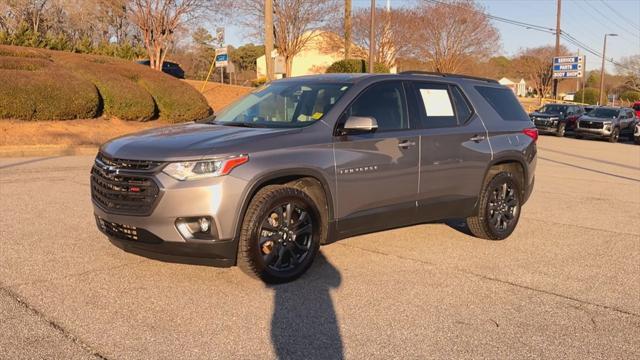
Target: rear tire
280,234
499,208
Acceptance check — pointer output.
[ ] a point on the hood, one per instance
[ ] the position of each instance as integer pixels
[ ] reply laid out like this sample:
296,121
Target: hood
591,118
545,115
188,141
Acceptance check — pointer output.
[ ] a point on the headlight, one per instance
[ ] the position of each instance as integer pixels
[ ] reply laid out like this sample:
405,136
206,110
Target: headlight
187,170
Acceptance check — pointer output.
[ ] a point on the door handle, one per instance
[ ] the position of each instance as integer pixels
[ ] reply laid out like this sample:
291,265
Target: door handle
477,138
406,144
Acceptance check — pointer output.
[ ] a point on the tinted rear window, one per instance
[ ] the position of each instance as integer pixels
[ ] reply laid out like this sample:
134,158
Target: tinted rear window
504,102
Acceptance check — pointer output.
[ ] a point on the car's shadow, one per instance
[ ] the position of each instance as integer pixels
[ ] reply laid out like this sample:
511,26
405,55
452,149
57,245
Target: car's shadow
304,323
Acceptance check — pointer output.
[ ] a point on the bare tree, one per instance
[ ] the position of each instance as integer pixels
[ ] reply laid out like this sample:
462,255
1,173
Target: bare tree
158,21
296,22
449,34
629,67
393,34
536,66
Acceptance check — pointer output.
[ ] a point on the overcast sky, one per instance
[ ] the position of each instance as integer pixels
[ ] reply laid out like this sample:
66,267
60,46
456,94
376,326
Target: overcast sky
586,20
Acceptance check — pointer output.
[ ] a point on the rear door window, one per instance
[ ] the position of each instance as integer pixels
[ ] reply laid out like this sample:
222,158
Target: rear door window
436,106
504,102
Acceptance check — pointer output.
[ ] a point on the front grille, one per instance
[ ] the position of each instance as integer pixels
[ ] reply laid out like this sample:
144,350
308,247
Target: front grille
124,164
129,193
543,122
126,232
590,124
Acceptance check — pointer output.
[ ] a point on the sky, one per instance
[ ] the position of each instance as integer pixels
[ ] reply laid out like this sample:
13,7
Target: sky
585,20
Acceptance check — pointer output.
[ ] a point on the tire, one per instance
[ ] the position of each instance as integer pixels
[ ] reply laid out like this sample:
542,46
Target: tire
615,135
267,247
561,130
497,216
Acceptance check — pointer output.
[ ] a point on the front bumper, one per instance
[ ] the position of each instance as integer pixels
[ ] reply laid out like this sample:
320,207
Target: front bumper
157,235
604,132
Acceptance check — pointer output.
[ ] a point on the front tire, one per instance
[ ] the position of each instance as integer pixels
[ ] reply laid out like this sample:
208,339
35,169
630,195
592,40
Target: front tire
561,130
499,208
615,135
280,234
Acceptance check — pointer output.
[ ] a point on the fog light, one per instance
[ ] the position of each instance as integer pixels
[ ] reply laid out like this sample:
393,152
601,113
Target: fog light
200,228
204,224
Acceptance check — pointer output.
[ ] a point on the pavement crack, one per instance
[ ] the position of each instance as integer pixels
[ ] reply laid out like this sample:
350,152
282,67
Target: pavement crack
52,323
505,282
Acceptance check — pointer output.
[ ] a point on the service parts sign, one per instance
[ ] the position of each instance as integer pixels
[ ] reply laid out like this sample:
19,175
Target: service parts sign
568,66
222,57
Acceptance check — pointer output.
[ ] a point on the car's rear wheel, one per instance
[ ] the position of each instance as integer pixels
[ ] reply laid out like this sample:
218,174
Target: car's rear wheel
499,208
280,234
615,135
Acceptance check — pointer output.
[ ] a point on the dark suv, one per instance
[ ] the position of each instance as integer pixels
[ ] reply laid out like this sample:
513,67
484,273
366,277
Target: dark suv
308,160
557,118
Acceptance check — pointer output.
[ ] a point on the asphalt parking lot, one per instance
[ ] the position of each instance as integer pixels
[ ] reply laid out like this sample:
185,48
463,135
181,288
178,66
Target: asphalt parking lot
565,285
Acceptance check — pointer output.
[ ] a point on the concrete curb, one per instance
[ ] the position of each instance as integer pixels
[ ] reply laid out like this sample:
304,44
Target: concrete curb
46,150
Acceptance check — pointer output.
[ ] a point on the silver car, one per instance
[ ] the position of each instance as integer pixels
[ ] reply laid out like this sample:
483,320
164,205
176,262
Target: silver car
306,161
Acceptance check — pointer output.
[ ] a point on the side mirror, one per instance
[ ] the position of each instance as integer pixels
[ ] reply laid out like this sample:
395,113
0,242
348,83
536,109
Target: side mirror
359,125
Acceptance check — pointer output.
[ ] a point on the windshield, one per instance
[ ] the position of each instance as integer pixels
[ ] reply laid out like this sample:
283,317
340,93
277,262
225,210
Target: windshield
283,105
553,109
604,113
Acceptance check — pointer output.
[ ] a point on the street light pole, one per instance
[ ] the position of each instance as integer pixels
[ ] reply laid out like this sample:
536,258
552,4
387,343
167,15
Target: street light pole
268,38
604,50
372,36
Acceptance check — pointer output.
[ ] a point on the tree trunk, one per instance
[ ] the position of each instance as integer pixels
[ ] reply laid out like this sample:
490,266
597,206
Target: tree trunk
347,29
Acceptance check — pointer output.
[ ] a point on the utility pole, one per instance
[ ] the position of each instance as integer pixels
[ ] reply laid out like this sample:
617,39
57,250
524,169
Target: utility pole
372,37
268,37
347,29
559,9
604,50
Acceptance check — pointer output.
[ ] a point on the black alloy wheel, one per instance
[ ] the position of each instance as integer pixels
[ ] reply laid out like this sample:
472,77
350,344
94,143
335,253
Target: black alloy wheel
280,235
503,207
286,236
615,135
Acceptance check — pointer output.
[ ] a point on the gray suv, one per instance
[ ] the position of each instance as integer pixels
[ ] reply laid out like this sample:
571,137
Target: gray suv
306,161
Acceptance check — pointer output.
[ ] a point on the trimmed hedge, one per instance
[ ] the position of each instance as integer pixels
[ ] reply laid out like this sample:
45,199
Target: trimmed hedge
355,66
116,87
45,95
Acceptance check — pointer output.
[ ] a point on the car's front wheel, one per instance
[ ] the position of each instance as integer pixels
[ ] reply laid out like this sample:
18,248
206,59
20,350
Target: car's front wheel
498,209
561,130
615,135
280,234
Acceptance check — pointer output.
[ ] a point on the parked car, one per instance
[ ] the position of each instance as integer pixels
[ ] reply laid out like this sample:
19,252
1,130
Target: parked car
636,108
168,67
636,132
306,161
556,118
606,122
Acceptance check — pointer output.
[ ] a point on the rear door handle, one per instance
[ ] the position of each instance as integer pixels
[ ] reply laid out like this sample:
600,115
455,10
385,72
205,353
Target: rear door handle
405,144
477,138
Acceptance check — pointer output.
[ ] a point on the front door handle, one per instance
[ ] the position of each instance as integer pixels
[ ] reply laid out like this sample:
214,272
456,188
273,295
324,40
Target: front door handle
477,138
406,144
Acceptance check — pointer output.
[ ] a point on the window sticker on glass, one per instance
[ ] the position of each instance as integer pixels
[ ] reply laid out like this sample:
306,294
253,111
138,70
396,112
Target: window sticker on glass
436,102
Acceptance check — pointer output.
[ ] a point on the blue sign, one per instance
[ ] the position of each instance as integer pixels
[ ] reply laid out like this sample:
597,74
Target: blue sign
222,57
567,59
567,67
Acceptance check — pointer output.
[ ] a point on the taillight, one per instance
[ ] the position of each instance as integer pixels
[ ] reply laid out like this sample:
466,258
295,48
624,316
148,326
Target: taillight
532,133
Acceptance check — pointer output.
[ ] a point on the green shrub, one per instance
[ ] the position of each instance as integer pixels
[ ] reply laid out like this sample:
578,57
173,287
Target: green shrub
355,66
591,96
46,95
121,97
259,81
176,100
630,96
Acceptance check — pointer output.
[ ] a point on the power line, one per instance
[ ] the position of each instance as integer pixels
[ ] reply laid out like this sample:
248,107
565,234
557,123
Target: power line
611,21
622,16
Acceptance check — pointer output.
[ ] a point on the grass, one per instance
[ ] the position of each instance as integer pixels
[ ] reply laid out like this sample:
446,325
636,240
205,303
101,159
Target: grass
51,85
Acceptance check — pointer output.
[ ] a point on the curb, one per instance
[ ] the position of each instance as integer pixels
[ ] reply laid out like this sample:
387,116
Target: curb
46,150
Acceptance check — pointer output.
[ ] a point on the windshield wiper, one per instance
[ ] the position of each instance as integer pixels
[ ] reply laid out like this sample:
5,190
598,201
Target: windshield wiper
240,124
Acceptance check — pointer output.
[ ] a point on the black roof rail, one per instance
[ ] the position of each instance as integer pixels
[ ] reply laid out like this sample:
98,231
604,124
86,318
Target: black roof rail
431,73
